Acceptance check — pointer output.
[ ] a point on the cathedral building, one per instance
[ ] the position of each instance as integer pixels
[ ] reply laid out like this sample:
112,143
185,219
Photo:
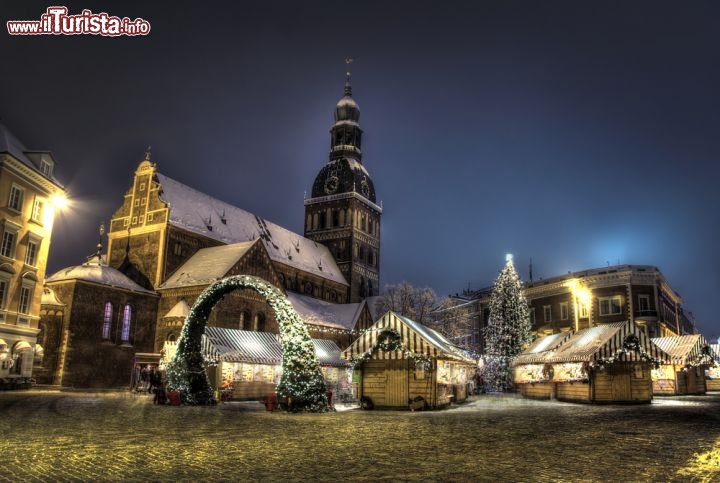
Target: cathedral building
167,242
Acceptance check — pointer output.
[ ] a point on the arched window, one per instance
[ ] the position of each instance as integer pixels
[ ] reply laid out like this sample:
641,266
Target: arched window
259,325
127,319
171,337
107,320
245,318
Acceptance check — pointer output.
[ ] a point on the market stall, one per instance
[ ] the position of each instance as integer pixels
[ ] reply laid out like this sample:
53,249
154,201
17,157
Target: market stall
712,373
400,363
608,363
690,357
246,365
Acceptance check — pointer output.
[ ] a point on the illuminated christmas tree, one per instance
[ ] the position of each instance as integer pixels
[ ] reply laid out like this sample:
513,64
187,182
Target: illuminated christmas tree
508,329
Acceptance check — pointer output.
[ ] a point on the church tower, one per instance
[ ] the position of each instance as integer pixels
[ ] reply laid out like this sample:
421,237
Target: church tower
342,213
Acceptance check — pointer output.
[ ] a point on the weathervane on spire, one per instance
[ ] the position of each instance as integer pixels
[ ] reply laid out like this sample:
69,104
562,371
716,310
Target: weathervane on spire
348,87
148,153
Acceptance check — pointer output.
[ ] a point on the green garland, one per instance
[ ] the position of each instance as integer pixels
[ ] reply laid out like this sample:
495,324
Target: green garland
301,384
389,340
630,344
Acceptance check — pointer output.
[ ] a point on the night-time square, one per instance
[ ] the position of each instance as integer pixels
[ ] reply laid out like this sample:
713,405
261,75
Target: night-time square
213,267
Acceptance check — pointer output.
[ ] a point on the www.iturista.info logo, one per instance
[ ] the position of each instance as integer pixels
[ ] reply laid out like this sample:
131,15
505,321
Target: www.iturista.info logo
56,21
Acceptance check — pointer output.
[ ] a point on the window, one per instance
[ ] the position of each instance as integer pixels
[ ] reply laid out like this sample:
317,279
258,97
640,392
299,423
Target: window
126,222
610,305
643,303
31,255
564,311
149,217
3,292
532,316
7,247
137,203
259,325
25,296
127,317
107,320
583,309
547,312
16,198
177,249
37,211
46,168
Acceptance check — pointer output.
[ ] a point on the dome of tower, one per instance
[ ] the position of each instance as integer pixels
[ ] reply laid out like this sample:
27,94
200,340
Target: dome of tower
344,175
347,110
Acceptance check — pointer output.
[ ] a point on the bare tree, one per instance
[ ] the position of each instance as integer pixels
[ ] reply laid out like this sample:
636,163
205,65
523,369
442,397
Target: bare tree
409,301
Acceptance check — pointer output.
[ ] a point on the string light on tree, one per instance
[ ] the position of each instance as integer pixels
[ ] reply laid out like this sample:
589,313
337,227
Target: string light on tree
508,329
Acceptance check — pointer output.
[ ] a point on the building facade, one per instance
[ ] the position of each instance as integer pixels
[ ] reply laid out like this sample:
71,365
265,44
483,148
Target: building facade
29,196
578,300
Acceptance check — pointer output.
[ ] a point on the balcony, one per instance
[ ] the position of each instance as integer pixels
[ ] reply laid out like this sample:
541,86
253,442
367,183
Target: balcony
646,314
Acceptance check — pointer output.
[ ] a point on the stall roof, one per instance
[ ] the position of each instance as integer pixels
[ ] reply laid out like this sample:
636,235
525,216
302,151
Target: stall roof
233,345
605,342
415,337
542,348
685,349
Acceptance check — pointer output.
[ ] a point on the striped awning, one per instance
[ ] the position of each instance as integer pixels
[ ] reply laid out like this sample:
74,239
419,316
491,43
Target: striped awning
685,349
415,337
233,345
542,348
605,342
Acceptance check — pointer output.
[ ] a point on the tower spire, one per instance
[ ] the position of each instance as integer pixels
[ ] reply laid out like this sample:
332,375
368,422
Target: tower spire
348,86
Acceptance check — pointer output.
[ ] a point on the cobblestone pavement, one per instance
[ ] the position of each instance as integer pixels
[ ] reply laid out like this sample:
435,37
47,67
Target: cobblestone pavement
86,436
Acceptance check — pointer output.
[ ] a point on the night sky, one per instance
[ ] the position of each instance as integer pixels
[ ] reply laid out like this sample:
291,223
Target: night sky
578,134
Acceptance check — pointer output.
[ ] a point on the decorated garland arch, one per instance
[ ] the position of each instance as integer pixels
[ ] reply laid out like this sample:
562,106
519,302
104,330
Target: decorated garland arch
301,383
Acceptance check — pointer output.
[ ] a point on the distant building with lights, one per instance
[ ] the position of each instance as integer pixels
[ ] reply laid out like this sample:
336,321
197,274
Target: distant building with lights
578,300
167,242
28,194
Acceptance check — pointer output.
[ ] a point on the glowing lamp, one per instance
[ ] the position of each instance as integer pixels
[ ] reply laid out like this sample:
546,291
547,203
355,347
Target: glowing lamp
59,200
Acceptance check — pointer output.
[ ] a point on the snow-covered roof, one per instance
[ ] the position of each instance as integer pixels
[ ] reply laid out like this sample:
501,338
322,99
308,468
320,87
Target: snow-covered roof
180,309
233,345
416,338
207,265
542,348
319,312
200,213
96,271
12,145
49,298
685,349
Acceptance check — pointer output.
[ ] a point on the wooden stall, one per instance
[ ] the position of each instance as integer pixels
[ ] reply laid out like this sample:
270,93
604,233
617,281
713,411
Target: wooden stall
532,373
247,365
609,363
712,373
690,356
400,363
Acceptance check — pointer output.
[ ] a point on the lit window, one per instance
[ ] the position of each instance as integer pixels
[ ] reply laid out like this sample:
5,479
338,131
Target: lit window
583,309
16,198
127,316
149,217
643,303
547,312
610,305
107,320
37,211
31,255
3,293
126,222
25,296
7,247
564,312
